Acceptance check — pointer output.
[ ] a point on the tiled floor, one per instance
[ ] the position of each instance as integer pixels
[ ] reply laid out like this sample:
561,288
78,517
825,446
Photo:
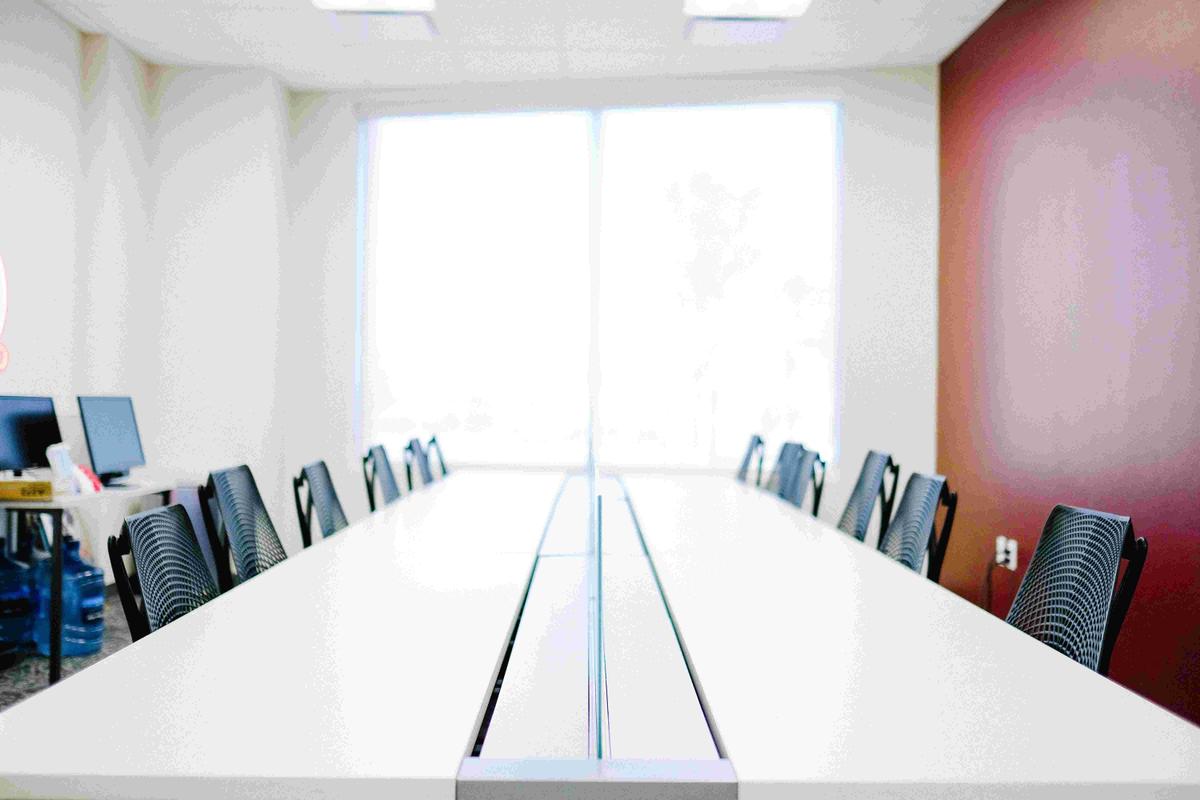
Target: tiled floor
30,674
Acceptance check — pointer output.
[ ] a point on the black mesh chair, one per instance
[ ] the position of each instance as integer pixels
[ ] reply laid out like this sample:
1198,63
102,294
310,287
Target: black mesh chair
322,497
784,468
191,497
414,453
756,447
242,526
170,568
808,467
377,468
435,446
1069,597
871,484
913,532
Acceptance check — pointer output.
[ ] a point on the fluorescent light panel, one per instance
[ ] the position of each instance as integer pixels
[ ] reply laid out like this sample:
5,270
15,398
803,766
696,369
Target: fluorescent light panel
720,32
377,6
746,9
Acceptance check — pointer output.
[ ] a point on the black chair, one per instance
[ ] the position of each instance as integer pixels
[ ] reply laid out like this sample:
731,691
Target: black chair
435,445
913,532
191,497
808,467
785,465
377,467
414,453
322,496
856,518
171,572
242,526
756,446
1069,597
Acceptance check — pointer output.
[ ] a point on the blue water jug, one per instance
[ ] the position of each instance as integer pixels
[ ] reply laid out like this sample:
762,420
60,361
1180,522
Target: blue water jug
16,605
83,604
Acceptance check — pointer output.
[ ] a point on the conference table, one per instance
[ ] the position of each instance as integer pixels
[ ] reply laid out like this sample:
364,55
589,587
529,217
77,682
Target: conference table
495,635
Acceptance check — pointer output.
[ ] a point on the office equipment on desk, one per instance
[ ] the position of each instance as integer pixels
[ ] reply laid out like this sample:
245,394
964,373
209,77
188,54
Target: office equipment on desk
1069,597
435,445
28,425
913,532
856,517
172,574
377,468
414,453
242,526
26,489
113,441
321,497
756,446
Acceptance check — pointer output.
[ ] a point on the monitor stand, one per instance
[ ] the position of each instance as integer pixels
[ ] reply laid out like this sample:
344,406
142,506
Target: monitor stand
115,480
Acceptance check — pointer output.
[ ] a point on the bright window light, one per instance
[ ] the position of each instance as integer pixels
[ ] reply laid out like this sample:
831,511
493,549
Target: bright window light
746,9
378,6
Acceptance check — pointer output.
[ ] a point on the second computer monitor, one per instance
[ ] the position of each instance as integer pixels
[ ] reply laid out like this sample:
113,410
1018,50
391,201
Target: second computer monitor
28,426
112,436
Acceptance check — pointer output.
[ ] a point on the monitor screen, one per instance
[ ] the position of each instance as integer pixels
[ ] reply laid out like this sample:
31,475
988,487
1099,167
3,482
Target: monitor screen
112,434
28,426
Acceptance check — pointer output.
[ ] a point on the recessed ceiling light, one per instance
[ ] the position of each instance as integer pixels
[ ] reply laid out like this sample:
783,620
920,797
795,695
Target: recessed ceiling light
718,31
746,9
377,6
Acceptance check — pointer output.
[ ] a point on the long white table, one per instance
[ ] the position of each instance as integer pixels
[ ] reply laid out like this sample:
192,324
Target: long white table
358,668
832,672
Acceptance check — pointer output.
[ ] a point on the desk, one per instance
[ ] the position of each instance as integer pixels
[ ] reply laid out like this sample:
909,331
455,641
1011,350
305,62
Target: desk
358,668
55,509
831,671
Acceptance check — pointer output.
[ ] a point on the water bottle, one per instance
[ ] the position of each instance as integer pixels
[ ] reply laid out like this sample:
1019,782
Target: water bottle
16,606
83,604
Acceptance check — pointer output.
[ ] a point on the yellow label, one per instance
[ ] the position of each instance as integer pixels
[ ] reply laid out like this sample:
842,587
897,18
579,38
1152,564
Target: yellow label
26,490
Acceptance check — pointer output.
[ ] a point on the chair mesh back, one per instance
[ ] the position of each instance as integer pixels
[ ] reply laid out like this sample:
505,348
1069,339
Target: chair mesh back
325,501
251,535
1067,592
170,566
784,469
189,497
907,537
383,474
755,446
416,452
795,486
857,516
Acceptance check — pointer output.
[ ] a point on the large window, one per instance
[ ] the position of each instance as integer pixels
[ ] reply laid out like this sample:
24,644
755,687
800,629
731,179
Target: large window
684,258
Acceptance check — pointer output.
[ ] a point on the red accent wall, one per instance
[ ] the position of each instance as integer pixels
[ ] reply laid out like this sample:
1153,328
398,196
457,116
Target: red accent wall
1070,302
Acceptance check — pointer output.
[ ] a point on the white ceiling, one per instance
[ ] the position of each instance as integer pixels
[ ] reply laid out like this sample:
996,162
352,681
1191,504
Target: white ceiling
518,40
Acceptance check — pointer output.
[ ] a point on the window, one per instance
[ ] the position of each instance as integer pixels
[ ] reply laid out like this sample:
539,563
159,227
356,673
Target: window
709,312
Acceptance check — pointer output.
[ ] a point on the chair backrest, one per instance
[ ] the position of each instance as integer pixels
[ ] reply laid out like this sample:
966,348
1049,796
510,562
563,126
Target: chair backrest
1069,596
322,497
807,468
170,566
414,453
913,531
856,517
785,465
756,446
244,527
435,446
377,468
191,497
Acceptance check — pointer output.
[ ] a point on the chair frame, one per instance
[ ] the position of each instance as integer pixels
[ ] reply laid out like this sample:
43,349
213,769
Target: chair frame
135,614
304,510
435,444
1133,550
757,445
370,474
938,541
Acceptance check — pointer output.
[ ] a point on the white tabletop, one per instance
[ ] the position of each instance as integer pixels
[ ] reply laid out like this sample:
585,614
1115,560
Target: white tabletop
357,668
124,493
833,671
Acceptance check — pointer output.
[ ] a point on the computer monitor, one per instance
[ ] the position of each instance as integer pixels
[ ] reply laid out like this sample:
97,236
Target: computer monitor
112,436
28,425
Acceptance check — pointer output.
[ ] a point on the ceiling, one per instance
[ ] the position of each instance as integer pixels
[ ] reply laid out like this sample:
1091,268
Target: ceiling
483,41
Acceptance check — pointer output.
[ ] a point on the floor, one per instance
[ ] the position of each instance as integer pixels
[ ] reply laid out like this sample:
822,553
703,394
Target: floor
32,673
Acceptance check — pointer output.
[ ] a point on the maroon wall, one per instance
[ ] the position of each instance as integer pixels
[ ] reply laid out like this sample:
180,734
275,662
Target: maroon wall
1070,302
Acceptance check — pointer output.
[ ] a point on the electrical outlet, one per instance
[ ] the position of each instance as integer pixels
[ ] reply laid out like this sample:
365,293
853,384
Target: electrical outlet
1006,552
